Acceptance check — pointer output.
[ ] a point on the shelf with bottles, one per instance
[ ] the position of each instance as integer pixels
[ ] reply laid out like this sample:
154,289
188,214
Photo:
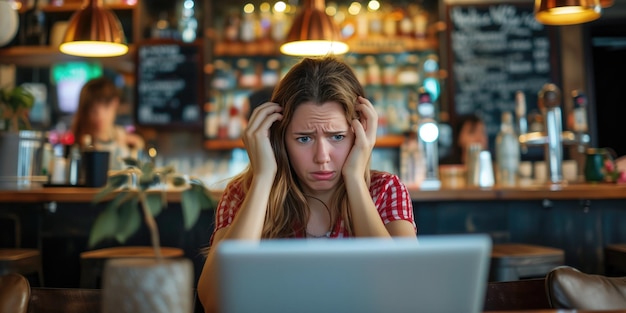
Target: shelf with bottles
259,30
389,80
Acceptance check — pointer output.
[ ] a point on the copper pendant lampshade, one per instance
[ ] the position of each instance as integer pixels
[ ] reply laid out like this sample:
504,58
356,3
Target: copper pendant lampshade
94,31
606,3
566,12
314,33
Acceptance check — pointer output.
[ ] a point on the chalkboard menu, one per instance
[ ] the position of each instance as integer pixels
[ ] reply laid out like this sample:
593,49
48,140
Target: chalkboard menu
495,50
168,85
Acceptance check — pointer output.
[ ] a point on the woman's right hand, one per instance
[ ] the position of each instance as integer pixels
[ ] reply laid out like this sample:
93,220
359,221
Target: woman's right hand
256,138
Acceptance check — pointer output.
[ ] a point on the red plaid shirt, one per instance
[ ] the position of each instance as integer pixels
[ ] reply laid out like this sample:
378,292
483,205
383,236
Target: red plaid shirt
391,198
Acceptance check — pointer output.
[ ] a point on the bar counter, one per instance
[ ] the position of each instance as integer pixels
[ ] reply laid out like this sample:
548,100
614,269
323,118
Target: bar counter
533,192
581,219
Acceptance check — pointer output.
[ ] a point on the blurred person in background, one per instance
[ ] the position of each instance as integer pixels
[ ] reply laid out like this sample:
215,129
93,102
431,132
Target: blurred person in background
94,122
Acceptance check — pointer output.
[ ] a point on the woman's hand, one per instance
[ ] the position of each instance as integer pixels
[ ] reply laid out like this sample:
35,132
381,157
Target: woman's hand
256,138
365,137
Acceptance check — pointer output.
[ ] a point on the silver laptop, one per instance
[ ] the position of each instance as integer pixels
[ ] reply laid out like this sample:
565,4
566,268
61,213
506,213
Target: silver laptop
438,273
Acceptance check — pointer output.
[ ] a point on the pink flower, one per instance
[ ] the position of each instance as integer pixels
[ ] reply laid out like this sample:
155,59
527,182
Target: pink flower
609,166
622,177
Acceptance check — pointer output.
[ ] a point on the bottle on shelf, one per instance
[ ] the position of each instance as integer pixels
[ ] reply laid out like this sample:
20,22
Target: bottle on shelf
580,111
188,24
248,31
507,152
412,163
74,166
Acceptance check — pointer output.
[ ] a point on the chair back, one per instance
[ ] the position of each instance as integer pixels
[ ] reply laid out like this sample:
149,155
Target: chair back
64,300
569,288
14,293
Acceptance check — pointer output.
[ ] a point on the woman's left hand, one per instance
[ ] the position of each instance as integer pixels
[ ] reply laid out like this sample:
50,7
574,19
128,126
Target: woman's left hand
365,137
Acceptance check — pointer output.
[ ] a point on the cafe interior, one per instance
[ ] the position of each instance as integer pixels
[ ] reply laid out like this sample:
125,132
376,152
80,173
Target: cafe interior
544,195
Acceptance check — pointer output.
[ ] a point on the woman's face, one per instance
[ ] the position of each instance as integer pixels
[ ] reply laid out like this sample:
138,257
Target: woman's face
318,141
103,114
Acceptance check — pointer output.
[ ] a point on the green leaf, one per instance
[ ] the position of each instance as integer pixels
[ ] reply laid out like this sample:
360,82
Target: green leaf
102,193
204,196
154,203
119,199
147,168
130,162
129,220
104,226
178,181
146,180
191,208
117,180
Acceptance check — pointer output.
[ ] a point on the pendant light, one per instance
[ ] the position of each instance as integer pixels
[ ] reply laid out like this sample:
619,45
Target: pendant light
94,31
566,12
313,33
606,3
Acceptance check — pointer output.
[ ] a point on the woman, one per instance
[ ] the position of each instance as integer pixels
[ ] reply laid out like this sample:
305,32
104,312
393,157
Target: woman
309,173
95,119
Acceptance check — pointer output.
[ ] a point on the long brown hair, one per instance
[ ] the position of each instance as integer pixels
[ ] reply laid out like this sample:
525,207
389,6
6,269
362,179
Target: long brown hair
96,90
317,80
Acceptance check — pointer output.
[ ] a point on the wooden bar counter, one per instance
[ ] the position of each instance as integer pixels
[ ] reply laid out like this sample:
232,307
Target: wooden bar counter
534,192
581,219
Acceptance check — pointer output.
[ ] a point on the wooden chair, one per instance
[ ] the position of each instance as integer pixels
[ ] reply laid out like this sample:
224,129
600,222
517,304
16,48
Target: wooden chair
17,259
513,261
525,294
615,260
14,293
92,262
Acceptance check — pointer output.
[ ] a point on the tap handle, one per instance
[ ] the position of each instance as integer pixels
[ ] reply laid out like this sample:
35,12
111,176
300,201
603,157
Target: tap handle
549,97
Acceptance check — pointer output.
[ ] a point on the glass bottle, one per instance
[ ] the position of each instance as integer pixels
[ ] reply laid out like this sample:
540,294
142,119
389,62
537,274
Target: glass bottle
507,152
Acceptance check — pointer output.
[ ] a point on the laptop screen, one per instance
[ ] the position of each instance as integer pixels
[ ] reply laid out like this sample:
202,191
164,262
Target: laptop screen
437,273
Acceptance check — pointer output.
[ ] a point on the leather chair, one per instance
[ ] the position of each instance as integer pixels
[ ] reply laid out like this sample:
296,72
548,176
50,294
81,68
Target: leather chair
17,259
65,300
569,288
14,293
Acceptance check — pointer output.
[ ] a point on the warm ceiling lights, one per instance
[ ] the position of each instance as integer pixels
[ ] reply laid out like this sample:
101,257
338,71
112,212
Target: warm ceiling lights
566,12
94,31
314,33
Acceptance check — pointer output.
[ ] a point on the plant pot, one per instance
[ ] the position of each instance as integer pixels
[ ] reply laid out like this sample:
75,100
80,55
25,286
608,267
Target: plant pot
144,285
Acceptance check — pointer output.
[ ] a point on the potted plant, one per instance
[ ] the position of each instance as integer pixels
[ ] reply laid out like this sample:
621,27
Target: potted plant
15,105
146,285
18,143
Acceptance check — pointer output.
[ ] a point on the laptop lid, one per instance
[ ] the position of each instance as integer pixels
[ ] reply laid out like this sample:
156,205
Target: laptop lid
439,273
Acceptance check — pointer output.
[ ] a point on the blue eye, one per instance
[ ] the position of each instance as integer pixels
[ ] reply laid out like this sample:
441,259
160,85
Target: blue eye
338,137
303,139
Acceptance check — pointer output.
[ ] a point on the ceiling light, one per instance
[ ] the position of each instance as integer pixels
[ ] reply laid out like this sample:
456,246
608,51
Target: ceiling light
94,31
314,33
566,12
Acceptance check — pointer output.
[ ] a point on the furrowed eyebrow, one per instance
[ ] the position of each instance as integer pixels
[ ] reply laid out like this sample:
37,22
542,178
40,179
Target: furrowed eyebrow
309,133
